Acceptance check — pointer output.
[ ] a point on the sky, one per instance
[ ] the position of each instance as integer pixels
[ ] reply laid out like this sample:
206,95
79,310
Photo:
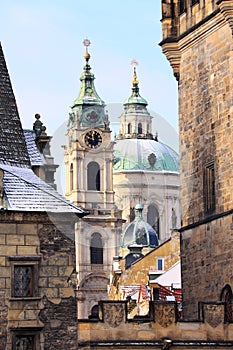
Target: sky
43,46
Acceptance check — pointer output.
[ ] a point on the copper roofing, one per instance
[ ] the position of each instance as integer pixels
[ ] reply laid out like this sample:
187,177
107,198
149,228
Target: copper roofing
139,232
144,154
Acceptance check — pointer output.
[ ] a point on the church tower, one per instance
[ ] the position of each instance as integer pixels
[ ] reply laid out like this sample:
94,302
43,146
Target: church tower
145,170
197,41
88,161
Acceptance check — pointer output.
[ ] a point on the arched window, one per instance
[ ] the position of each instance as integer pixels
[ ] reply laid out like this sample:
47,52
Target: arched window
129,128
71,177
153,217
148,128
139,128
94,312
93,176
96,249
227,297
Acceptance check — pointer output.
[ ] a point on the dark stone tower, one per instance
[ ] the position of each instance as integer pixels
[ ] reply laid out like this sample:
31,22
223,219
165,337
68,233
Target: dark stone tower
197,41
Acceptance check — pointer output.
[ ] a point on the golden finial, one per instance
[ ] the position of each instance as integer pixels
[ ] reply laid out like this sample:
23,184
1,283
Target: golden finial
134,64
86,43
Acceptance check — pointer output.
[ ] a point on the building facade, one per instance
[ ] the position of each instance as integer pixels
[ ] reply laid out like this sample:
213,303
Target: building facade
197,41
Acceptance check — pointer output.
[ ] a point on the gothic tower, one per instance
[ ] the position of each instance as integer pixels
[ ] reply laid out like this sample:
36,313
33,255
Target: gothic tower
88,160
197,41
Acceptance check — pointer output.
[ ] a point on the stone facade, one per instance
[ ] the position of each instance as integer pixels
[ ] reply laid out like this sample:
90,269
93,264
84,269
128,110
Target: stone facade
197,40
48,312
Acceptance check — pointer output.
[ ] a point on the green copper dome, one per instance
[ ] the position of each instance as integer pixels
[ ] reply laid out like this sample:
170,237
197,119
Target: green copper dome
144,154
139,232
135,98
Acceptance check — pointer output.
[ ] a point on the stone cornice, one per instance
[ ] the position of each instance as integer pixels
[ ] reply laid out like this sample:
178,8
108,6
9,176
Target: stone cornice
173,46
172,52
226,8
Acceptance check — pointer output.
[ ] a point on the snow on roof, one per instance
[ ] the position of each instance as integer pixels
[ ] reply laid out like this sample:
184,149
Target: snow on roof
36,158
23,190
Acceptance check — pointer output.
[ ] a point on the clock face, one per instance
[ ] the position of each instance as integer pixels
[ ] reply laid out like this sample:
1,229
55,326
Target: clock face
93,139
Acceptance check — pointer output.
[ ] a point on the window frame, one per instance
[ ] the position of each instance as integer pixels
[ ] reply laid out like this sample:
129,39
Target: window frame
33,262
93,176
209,188
96,252
26,332
162,260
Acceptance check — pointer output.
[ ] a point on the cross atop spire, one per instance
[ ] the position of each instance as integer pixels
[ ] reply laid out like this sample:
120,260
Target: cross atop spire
86,43
134,63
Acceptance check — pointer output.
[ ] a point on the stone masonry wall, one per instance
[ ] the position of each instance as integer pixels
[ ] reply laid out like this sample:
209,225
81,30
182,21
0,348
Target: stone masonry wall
205,101
32,239
206,259
205,95
202,60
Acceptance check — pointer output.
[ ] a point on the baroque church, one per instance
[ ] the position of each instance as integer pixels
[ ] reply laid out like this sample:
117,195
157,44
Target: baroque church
110,178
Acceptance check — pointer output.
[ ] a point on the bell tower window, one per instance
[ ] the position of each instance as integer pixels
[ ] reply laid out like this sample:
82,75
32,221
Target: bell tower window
96,249
139,128
93,176
71,177
153,217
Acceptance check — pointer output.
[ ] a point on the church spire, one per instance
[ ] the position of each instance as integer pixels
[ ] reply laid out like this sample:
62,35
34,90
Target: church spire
135,97
87,94
87,99
135,122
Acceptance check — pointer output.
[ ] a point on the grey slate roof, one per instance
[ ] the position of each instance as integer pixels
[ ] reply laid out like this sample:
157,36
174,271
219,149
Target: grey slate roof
36,158
27,192
23,190
12,143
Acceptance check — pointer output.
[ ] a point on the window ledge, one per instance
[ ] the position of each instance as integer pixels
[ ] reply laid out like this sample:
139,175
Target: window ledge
24,258
24,298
